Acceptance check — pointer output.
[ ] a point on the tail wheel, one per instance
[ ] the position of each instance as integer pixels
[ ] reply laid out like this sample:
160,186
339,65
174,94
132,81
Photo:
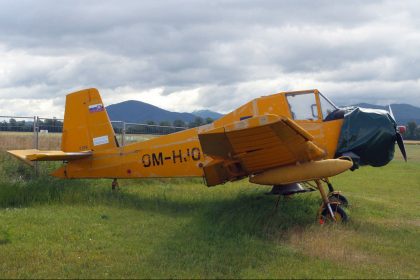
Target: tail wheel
339,199
339,215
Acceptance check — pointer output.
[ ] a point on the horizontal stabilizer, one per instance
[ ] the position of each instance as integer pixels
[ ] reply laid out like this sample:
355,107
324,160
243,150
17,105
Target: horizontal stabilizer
37,155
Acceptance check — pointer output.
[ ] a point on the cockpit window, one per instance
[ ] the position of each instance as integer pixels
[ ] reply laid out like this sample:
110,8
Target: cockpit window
303,106
327,107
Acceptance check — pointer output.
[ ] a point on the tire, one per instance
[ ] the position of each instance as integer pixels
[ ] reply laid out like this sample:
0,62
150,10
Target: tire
339,214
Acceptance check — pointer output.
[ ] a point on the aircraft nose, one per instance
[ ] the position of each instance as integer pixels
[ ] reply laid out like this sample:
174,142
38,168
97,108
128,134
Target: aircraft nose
369,136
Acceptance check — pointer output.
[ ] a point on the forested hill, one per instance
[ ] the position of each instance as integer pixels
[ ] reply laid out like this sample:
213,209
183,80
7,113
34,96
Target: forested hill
140,112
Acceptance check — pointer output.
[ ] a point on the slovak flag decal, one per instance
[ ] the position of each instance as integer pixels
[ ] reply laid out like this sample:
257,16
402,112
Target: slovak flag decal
96,108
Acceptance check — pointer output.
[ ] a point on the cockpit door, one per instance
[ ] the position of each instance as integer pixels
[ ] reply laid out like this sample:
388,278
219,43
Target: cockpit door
309,109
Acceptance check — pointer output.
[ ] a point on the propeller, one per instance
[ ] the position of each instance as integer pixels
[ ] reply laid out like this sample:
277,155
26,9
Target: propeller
399,138
400,143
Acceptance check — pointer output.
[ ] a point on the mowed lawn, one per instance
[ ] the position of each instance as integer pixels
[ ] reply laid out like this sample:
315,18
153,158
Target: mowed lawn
181,229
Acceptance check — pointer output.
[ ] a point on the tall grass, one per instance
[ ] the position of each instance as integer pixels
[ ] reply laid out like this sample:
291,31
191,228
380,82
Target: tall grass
50,141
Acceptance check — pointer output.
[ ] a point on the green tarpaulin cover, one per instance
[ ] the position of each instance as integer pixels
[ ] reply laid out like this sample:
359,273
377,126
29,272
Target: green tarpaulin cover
368,133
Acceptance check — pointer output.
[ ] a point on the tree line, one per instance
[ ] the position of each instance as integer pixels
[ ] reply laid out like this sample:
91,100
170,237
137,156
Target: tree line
412,132
180,123
52,125
55,125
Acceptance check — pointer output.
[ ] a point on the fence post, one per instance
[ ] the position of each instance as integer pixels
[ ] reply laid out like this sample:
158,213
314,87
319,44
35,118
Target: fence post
36,141
123,135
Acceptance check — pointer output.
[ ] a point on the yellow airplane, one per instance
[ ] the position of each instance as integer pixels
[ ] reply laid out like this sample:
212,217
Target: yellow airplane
286,140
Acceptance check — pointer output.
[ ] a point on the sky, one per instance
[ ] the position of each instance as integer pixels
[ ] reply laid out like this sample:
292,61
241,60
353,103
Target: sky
190,55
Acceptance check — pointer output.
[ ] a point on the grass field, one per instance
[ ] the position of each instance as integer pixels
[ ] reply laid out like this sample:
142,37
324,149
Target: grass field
181,229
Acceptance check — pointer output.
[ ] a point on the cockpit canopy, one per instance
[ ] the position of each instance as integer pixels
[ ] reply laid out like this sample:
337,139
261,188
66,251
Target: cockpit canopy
311,106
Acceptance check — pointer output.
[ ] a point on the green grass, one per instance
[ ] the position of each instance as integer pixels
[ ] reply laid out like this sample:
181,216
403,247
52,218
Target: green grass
179,228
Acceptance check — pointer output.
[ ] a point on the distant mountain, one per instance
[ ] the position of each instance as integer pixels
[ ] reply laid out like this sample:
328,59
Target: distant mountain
207,114
403,113
140,112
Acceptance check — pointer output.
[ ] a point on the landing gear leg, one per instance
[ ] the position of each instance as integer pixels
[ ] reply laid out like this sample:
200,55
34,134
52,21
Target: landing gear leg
115,185
329,211
330,186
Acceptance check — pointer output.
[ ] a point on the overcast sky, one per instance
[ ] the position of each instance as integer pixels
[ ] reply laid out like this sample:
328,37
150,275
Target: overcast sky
217,55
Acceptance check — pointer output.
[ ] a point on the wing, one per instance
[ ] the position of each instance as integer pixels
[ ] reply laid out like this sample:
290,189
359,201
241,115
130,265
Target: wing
254,145
36,155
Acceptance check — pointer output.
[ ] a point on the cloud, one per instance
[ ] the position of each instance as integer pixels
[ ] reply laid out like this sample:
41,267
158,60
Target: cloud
186,55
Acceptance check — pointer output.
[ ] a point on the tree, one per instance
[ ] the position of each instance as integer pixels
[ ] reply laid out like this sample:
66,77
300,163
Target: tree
165,123
179,123
151,123
3,126
411,130
417,133
209,120
12,124
197,122
20,126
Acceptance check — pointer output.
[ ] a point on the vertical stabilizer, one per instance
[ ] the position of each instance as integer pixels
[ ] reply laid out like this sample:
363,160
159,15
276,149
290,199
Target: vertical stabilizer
86,123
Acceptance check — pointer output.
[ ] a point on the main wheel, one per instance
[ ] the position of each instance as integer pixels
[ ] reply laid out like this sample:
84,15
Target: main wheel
338,198
339,215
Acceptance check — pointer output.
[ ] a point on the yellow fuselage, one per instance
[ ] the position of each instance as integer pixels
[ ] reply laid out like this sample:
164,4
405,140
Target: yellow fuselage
180,154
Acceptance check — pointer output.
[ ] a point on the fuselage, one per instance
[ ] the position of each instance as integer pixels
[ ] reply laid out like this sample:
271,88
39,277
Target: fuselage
180,154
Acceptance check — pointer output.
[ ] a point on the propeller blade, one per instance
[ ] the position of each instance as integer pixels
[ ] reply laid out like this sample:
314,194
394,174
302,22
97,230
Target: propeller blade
399,137
390,112
400,143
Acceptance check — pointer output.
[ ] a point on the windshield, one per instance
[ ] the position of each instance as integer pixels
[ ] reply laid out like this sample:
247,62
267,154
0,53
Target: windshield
303,106
327,107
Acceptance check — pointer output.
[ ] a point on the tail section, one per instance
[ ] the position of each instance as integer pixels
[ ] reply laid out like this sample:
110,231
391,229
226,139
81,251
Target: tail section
86,129
86,123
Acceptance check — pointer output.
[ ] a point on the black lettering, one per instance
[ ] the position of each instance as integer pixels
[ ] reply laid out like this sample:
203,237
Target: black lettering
175,156
196,154
146,160
157,160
